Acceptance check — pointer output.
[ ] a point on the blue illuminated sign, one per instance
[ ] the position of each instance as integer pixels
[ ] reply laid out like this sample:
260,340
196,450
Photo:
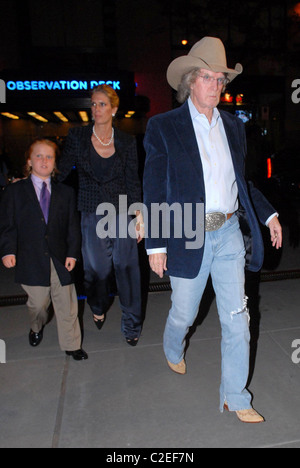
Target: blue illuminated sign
62,85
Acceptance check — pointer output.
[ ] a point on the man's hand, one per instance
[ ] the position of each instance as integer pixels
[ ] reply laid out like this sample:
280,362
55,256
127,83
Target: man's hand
276,232
158,263
9,261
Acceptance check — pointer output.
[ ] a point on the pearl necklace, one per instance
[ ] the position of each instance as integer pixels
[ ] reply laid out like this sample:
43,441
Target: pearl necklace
99,139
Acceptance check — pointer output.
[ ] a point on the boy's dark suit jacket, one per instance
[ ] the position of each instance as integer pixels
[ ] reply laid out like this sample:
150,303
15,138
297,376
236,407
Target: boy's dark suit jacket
174,173
24,233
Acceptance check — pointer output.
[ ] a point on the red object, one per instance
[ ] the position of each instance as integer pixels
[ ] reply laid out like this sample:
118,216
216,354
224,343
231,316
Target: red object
269,164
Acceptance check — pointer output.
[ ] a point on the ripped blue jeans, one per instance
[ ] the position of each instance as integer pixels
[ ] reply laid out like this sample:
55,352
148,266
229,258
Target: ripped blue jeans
224,260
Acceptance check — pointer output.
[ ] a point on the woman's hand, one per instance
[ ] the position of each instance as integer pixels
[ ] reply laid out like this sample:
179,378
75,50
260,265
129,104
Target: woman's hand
139,227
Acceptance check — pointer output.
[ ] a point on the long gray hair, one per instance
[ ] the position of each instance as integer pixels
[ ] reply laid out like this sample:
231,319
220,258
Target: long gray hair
187,80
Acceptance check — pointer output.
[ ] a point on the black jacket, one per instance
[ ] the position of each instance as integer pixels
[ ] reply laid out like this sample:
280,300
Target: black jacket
24,233
122,179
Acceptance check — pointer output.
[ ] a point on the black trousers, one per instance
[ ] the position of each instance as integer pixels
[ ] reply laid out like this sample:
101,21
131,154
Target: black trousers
105,258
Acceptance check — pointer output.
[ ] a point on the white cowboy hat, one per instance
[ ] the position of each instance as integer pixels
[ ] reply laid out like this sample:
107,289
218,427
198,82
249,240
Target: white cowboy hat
209,53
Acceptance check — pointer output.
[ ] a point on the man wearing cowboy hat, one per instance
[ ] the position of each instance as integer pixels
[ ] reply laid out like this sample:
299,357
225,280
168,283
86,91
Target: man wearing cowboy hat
196,155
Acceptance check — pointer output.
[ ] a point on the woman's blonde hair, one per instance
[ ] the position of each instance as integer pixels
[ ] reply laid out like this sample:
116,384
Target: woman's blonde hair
109,92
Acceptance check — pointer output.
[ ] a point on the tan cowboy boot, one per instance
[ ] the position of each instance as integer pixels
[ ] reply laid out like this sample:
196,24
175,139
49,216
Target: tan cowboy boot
247,416
178,368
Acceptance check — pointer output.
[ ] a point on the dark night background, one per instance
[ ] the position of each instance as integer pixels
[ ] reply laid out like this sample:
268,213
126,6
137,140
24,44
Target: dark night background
134,41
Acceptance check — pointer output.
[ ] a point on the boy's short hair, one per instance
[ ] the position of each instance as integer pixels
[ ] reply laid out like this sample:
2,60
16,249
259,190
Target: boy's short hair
46,141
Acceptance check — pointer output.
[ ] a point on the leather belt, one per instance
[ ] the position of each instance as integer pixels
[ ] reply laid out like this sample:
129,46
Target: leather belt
214,221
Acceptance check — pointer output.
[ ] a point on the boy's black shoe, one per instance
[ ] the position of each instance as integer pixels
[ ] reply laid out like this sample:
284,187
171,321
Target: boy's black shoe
35,338
78,355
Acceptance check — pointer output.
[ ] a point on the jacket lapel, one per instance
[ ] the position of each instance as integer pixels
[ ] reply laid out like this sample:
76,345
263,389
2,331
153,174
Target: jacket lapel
32,193
53,200
234,141
187,138
84,151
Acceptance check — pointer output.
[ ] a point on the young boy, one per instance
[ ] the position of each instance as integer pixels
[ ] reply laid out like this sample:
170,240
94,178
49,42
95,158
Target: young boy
40,237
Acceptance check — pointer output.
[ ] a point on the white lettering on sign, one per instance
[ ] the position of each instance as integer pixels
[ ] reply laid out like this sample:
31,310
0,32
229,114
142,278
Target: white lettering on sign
62,85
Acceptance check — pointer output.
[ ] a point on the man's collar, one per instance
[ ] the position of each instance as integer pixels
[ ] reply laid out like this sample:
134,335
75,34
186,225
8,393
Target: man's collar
195,113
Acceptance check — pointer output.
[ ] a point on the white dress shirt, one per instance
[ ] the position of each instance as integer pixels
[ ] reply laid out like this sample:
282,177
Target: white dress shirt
38,185
221,191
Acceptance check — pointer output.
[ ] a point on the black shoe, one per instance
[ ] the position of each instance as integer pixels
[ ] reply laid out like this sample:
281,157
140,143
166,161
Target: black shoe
35,338
132,342
99,323
78,355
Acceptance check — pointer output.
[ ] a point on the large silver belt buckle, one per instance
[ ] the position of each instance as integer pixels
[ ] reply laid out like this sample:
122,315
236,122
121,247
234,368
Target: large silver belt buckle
214,221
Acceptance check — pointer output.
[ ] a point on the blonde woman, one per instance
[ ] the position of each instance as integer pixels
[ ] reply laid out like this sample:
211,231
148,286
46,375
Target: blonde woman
107,165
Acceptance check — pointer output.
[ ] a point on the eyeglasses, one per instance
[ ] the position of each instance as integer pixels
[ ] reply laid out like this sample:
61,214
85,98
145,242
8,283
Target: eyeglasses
209,79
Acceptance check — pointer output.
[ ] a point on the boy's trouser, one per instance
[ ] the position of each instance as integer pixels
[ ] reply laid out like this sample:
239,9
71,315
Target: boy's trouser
65,304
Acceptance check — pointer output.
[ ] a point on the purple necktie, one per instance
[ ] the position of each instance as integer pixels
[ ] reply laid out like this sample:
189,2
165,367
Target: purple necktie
45,201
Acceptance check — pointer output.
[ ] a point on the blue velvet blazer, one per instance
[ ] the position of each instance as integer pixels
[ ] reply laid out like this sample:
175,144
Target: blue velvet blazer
173,173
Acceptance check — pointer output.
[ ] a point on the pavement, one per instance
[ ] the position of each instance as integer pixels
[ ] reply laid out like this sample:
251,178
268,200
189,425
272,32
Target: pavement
127,398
